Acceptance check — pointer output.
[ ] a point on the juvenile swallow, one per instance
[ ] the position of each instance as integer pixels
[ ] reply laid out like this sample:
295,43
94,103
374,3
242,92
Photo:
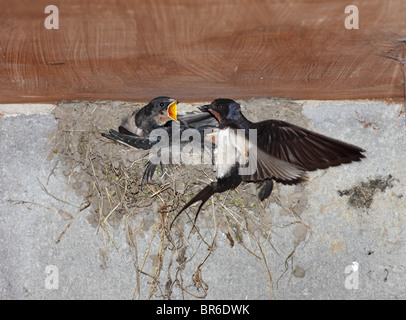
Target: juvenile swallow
159,113
281,151
135,129
154,115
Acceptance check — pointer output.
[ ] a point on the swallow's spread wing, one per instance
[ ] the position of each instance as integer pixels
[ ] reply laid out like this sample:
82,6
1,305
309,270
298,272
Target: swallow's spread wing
269,167
198,119
258,165
304,148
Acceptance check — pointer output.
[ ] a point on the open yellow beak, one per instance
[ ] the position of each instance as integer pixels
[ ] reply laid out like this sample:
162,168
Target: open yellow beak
173,110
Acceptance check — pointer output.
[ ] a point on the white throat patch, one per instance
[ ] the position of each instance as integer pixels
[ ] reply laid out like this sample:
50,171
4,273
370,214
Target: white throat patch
232,147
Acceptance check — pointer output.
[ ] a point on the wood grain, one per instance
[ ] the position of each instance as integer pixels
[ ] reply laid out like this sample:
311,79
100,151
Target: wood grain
194,51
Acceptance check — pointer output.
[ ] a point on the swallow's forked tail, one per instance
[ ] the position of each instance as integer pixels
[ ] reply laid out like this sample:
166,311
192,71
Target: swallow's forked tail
221,185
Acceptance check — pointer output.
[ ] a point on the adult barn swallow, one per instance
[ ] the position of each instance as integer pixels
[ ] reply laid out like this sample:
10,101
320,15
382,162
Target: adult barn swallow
283,151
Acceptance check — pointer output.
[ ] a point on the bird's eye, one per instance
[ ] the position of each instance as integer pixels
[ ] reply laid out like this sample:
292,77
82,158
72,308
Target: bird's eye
161,104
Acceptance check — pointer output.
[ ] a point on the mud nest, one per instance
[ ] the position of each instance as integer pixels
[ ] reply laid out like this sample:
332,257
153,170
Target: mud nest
108,176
